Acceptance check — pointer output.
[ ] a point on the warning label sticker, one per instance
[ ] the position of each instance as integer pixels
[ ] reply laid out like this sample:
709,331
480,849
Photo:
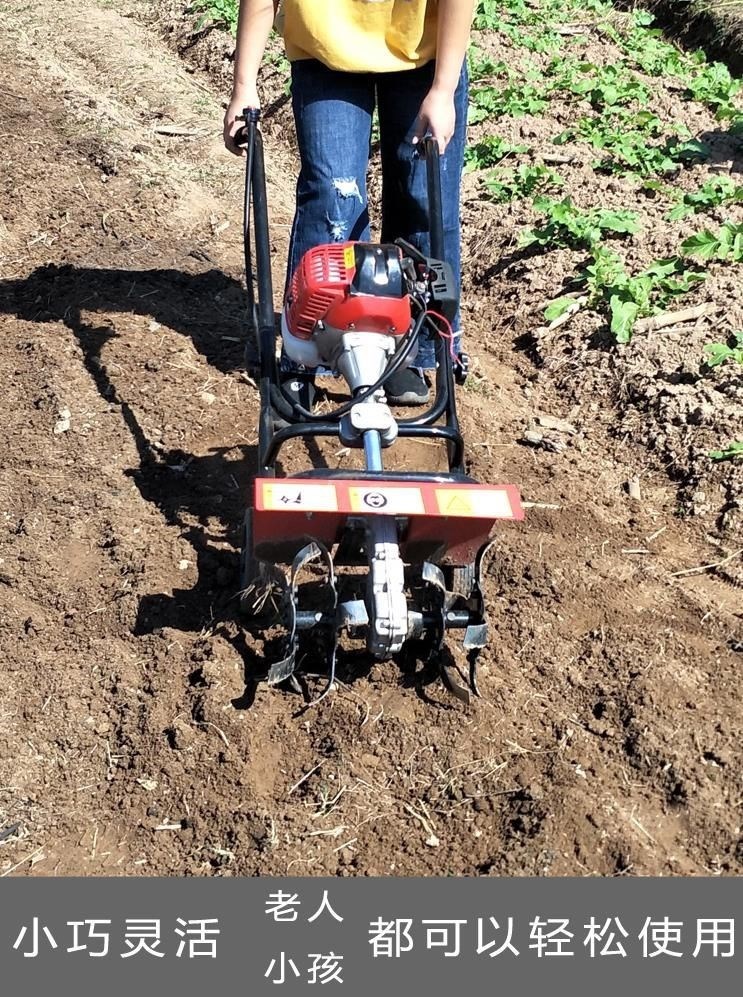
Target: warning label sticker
394,501
386,499
280,495
478,503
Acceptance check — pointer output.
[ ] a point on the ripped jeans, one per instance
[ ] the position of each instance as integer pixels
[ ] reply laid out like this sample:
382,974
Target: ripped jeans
333,116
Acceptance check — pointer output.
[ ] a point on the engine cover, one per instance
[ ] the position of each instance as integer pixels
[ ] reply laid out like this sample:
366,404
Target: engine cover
351,286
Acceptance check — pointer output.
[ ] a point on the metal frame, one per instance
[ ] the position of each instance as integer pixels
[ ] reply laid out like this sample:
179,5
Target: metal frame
278,423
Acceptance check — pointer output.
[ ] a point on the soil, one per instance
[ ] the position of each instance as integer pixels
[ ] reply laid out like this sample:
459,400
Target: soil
132,742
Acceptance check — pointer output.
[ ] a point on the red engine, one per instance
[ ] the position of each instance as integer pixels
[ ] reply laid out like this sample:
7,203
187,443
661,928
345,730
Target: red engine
349,286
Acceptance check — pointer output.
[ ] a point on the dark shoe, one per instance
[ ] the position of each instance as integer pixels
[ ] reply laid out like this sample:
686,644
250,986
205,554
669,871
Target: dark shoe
300,388
406,387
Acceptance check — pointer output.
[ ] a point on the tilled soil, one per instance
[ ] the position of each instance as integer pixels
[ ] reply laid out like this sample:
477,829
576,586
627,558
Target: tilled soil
608,737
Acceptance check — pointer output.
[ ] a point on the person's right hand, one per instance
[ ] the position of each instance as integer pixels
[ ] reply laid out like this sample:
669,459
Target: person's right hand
239,101
437,116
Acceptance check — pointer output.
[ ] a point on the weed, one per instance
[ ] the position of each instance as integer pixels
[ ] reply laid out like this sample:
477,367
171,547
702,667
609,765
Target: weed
569,227
220,13
624,297
725,245
718,353
731,451
490,151
523,181
714,193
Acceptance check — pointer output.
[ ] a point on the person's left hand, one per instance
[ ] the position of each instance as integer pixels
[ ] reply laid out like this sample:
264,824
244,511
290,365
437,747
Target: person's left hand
437,117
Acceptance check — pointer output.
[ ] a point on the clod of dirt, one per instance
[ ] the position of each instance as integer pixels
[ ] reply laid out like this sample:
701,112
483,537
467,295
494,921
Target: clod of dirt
558,425
634,489
537,439
64,422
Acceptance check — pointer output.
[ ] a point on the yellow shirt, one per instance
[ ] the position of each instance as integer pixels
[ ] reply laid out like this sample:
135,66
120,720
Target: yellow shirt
360,36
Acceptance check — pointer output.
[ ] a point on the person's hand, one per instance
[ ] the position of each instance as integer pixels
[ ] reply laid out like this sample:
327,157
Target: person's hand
437,117
232,123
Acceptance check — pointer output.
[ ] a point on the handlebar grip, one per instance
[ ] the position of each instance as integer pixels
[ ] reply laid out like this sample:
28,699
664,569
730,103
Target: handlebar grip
435,206
430,149
251,116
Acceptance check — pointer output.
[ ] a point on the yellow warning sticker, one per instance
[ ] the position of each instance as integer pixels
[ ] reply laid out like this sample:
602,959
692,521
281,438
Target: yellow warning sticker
349,257
477,503
392,501
283,496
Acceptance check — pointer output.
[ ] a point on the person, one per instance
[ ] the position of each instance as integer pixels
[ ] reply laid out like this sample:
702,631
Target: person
407,58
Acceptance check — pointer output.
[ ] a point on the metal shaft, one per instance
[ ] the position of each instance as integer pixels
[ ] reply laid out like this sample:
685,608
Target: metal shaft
373,450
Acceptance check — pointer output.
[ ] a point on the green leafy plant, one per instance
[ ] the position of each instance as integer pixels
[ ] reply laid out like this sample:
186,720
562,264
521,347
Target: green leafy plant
514,100
489,151
647,48
631,142
629,139
523,181
709,83
624,297
731,451
512,17
568,226
540,41
650,185
725,245
713,85
632,297
482,67
602,86
220,13
712,194
718,353
488,15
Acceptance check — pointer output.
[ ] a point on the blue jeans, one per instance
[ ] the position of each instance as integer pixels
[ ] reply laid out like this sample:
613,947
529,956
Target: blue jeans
333,117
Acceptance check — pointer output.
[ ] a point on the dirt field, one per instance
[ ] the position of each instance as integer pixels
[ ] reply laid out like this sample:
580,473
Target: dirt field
608,738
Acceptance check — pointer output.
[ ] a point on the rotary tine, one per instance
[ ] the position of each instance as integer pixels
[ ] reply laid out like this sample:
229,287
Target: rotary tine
284,669
441,601
333,615
476,635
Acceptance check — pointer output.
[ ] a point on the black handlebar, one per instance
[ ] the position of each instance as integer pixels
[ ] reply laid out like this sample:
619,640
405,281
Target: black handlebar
251,116
435,208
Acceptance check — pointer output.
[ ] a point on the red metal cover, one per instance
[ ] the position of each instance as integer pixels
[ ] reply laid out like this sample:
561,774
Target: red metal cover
455,517
321,291
322,279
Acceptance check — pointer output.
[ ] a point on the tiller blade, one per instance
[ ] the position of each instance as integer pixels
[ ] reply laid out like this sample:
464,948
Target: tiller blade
402,596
